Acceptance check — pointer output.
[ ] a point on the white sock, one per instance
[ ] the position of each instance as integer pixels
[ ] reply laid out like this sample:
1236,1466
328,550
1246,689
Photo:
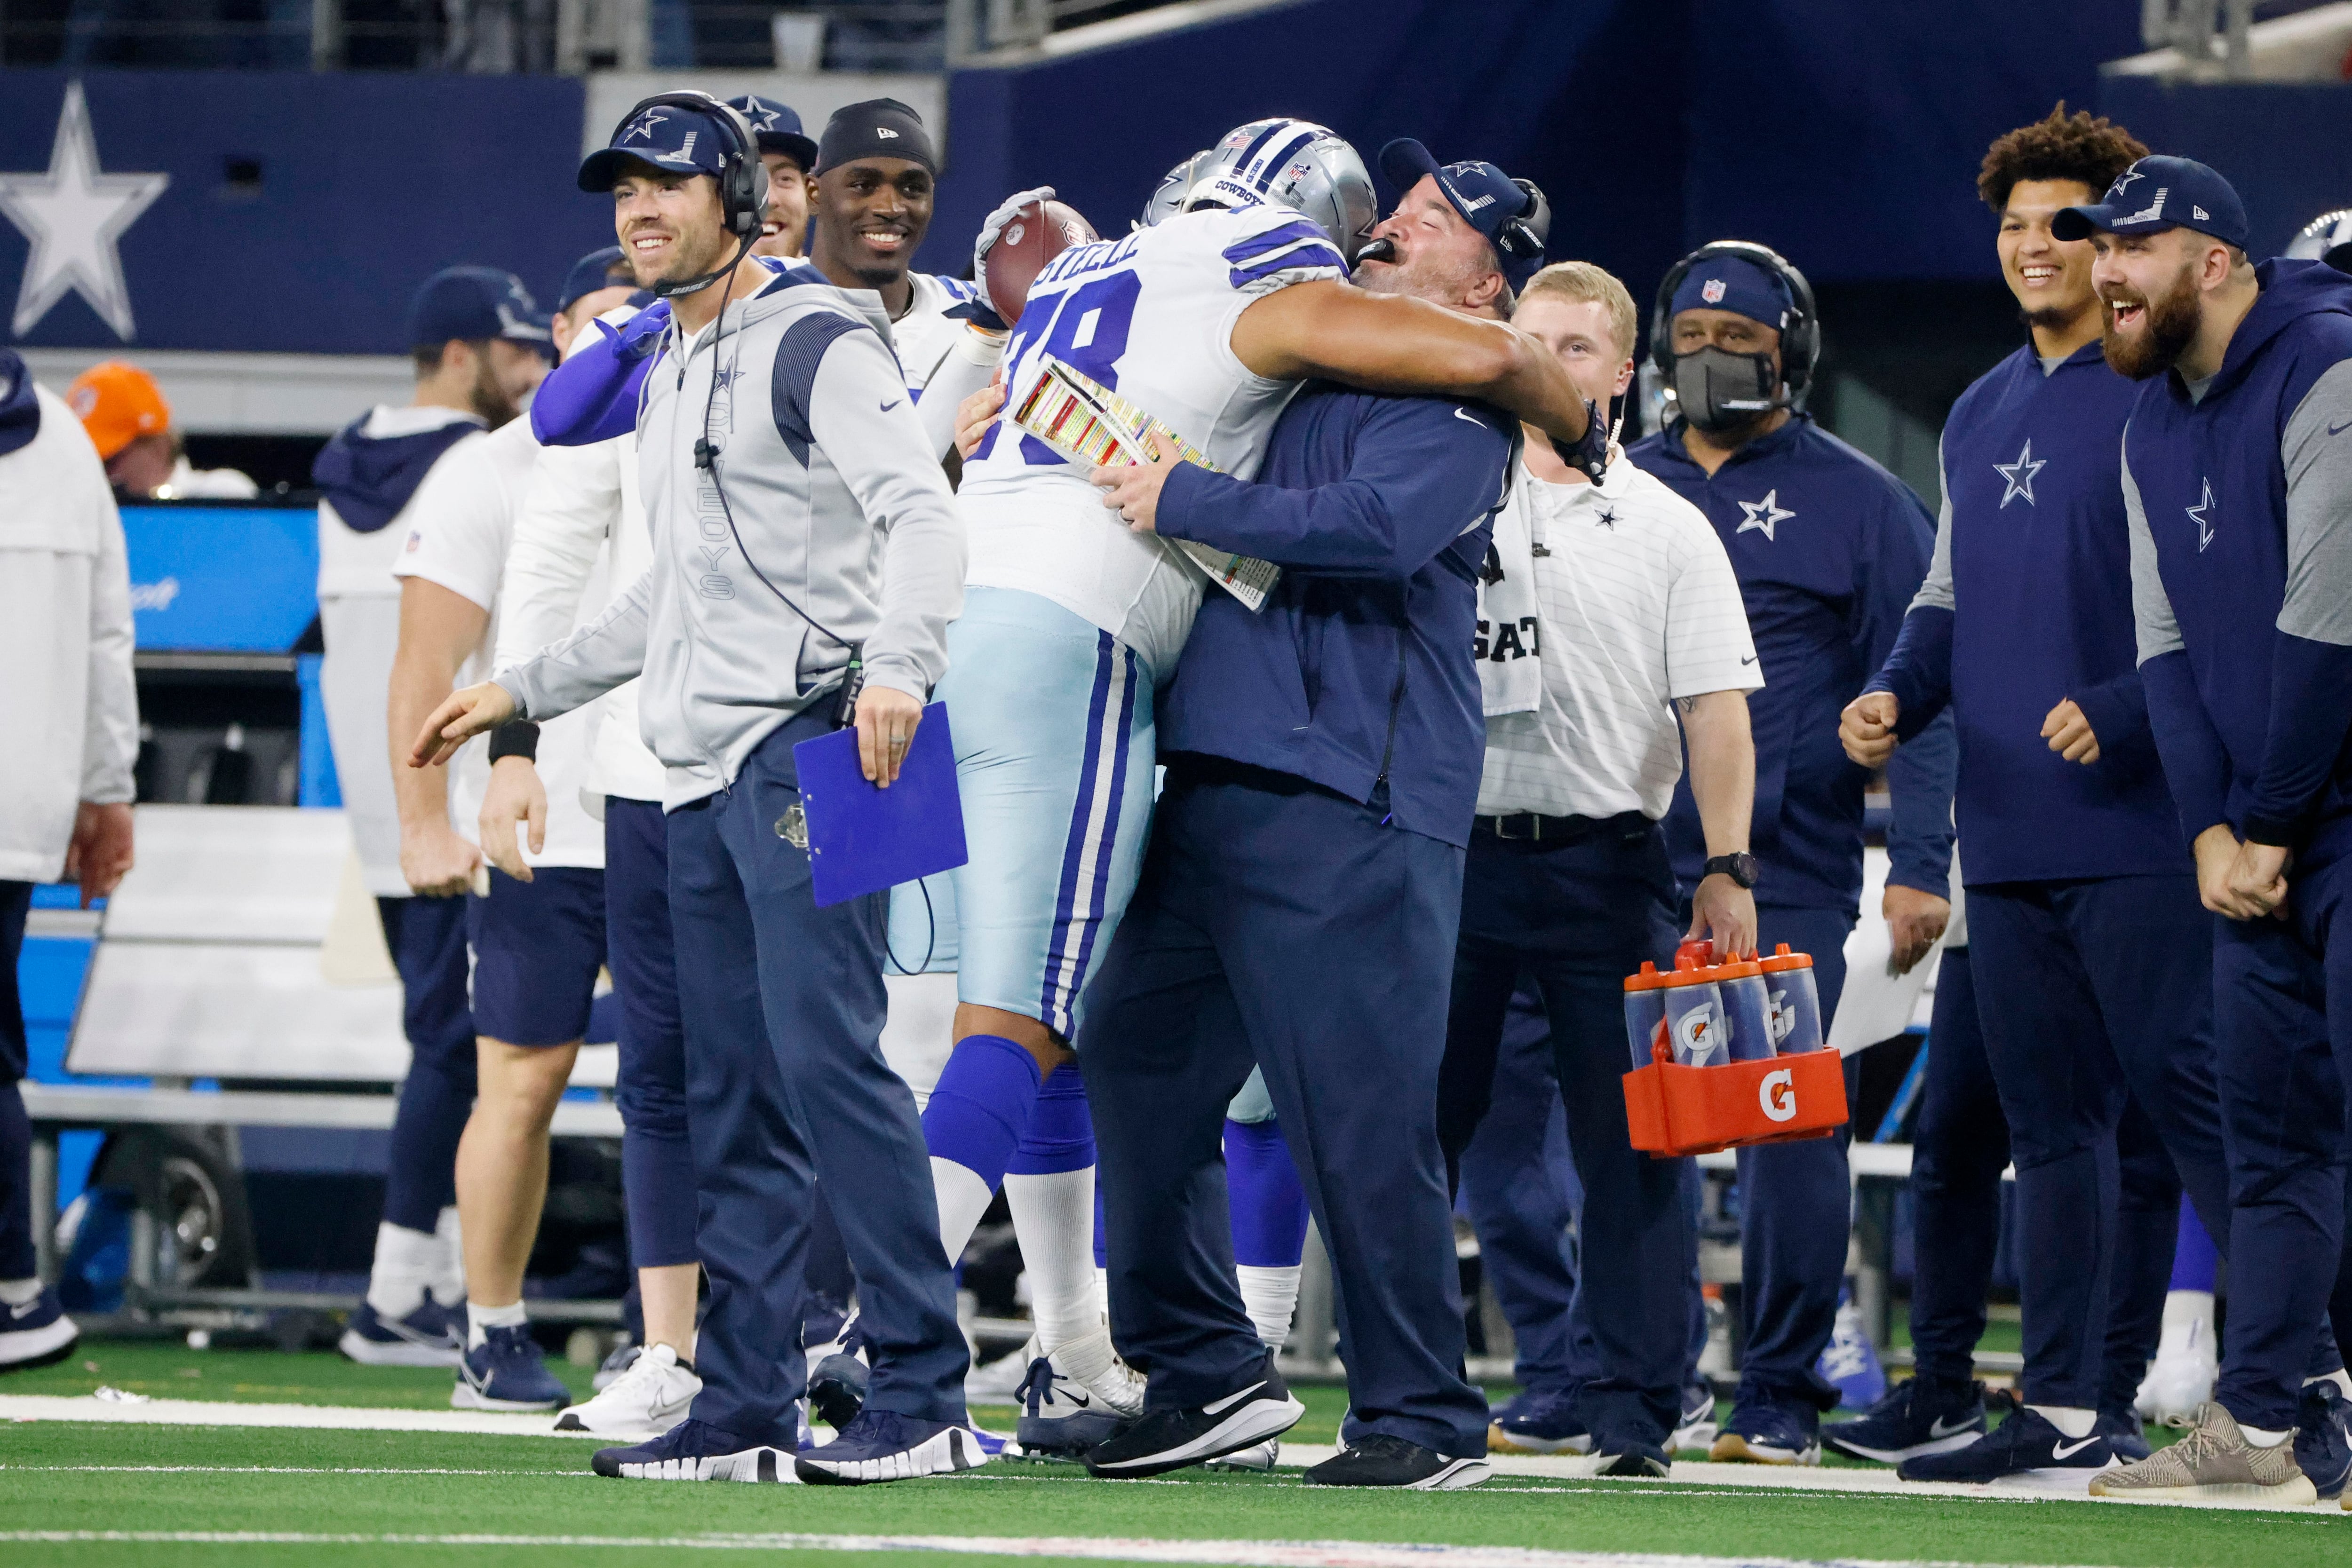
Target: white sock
17,1292
1271,1295
407,1263
2262,1438
963,1198
480,1320
2071,1419
2340,1377
449,1279
1054,1216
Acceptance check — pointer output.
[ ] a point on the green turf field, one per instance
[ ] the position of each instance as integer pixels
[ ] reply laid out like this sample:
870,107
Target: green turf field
490,1499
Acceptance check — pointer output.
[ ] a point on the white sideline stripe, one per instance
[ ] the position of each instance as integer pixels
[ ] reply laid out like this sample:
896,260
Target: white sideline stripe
225,1412
1239,1553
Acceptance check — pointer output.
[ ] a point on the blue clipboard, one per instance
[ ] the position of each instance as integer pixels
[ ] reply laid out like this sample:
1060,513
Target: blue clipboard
862,838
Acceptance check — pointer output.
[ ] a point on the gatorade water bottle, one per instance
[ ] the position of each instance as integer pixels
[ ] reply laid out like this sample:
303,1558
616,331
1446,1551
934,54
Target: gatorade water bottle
1746,1010
1795,1006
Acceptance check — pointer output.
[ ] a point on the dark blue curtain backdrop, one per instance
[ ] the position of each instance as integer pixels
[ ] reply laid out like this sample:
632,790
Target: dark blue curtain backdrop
304,209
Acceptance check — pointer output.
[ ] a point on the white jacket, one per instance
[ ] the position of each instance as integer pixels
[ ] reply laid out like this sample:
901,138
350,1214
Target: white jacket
584,500
68,704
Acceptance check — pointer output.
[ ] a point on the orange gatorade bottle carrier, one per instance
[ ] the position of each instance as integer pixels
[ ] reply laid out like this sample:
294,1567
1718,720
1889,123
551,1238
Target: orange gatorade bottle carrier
1728,1054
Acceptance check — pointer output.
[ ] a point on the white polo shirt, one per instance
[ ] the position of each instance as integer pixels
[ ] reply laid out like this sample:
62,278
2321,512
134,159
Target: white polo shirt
1639,606
459,527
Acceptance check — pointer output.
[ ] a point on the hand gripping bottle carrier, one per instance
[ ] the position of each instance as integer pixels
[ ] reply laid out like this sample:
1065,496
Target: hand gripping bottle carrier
1728,1054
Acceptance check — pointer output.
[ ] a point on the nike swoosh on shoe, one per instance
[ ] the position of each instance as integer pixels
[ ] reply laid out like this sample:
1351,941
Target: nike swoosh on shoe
1219,1406
1940,1431
2068,1450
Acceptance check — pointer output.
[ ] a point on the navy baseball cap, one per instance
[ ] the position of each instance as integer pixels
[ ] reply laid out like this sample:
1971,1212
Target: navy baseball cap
777,128
476,303
878,128
605,269
2156,194
1733,283
1486,198
664,136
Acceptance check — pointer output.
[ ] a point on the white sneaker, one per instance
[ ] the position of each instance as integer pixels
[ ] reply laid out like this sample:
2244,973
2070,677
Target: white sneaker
998,1382
641,1403
2187,1362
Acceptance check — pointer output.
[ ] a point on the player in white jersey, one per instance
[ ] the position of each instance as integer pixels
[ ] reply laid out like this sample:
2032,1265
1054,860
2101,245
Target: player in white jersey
479,345
1207,321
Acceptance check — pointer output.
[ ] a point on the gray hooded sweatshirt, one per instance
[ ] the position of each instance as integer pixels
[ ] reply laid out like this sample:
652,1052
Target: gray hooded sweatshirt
831,493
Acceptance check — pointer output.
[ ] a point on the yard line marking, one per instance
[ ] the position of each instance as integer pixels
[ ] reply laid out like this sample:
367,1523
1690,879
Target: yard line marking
1221,1553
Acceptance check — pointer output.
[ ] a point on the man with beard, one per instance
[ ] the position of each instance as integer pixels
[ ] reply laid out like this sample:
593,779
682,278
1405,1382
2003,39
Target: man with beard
2090,958
1829,548
480,346
2238,486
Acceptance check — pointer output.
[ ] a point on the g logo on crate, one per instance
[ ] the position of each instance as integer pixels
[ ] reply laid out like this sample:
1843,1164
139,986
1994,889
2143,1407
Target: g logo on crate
793,826
1776,1096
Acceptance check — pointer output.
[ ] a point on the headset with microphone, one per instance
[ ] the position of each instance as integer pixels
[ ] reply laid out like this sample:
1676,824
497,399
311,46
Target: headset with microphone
1801,328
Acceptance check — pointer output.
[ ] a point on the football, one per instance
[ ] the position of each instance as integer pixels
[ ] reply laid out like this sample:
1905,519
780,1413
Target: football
1037,234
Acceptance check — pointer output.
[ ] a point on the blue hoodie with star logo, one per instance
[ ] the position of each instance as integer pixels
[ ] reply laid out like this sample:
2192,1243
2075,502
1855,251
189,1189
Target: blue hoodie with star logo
2239,495
1828,548
2028,603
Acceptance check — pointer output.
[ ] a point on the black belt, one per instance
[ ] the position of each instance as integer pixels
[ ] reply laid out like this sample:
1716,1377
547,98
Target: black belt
1528,827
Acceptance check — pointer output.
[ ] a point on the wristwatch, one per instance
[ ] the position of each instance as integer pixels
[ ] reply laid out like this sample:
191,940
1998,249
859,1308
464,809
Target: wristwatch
1739,867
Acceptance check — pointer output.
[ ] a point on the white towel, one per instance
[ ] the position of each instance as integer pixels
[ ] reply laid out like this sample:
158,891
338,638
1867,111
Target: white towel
1509,684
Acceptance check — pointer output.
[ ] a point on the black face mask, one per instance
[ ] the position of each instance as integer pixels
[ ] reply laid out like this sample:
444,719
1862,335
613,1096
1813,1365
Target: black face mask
1717,390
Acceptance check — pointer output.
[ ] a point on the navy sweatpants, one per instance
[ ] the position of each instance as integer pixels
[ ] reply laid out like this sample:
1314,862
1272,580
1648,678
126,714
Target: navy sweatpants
657,1158
1575,917
16,1127
2283,1024
782,1005
1796,1209
1278,923
2088,989
427,938
1959,1150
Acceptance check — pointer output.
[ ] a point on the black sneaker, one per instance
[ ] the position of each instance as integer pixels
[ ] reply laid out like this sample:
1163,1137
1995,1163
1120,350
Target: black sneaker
1162,1440
1917,1417
2027,1447
1381,1461
1618,1454
696,1451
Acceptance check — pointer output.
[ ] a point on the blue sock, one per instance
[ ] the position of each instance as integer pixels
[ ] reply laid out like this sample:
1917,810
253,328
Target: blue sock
1269,1208
981,1106
1061,1135
2194,1260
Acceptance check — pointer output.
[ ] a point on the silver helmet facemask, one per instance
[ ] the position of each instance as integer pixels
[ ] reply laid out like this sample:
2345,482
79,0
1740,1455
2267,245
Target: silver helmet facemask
1293,163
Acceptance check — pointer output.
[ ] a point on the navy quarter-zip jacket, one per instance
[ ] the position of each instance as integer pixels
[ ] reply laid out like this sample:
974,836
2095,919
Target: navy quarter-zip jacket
2239,495
1359,666
2028,601
1830,547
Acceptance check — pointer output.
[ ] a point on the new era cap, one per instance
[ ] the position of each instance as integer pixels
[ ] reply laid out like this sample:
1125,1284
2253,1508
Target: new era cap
664,135
1486,198
2160,192
878,128
476,303
777,129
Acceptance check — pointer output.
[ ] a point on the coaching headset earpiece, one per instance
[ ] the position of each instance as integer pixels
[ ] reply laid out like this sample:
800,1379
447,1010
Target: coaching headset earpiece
743,177
1523,238
1800,334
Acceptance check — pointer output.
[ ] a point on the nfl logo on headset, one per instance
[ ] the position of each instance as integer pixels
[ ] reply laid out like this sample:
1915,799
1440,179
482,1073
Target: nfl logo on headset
1713,292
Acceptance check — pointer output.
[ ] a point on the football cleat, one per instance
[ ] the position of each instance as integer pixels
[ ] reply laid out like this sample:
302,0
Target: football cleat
2124,1437
506,1372
432,1335
1383,1461
838,1377
697,1452
998,1382
1060,1417
1539,1423
1625,1456
36,1333
1850,1361
1918,1415
642,1403
2026,1446
882,1445
1163,1440
2322,1438
1697,1429
1766,1435
2213,1463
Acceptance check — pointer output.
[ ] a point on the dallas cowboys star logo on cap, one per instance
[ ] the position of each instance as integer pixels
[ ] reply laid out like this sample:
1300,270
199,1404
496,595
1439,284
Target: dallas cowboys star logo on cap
643,125
762,118
2019,475
1764,515
74,215
2126,178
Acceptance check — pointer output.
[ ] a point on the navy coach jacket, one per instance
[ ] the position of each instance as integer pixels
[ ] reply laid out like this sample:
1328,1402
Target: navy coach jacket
1828,548
2240,504
1356,671
2029,602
